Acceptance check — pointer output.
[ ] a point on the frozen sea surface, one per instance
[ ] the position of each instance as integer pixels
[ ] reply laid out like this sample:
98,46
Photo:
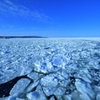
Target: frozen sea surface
50,69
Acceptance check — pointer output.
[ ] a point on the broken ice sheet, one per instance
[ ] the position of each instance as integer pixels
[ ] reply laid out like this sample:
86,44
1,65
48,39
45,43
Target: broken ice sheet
49,65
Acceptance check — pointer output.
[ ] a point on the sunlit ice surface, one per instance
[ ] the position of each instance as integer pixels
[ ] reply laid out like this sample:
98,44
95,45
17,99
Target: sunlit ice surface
50,69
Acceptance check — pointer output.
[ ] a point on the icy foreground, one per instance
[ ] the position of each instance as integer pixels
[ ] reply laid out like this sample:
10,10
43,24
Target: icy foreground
49,69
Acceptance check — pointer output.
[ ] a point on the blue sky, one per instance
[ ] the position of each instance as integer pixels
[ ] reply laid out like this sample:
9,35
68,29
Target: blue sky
50,18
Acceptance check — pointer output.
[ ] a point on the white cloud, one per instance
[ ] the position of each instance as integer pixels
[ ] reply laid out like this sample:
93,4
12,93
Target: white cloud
20,10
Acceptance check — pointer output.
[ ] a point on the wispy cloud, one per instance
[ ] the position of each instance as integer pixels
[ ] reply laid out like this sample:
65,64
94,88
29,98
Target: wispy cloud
17,9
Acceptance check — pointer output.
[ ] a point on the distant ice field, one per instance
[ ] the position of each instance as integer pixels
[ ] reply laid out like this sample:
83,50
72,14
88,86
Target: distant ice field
50,69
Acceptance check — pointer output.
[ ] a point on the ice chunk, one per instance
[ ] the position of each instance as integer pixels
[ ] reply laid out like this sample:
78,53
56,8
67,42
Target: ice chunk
84,88
58,61
33,96
49,80
36,95
80,86
46,67
84,97
49,90
37,65
32,86
33,76
19,87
